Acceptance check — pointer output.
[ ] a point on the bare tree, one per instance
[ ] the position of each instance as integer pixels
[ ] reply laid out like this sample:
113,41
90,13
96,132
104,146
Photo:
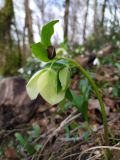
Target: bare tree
28,21
74,20
115,13
95,17
6,15
103,13
41,6
85,20
66,17
18,43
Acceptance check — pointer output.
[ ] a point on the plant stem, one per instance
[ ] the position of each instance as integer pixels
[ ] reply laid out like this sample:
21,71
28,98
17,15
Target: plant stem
103,112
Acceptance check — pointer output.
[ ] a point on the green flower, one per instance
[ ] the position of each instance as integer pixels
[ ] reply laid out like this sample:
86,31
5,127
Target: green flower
46,83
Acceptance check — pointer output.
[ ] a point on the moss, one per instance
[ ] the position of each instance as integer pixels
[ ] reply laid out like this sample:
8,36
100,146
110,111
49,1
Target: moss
8,49
6,15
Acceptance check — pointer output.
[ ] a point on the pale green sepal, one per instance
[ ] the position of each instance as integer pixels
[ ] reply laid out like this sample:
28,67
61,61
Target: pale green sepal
64,77
47,85
31,86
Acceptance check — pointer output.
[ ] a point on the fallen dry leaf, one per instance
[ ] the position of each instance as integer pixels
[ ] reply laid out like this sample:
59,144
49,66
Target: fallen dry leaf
110,103
43,122
94,104
11,153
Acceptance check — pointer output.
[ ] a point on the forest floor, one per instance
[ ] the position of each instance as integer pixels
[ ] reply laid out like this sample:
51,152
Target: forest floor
61,133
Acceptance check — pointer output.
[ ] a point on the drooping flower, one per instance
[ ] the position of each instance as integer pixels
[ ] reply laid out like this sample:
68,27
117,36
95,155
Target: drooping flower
45,82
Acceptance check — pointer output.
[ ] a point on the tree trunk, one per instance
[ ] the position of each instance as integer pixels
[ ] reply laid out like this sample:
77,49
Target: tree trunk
66,17
85,21
74,21
6,15
74,27
28,21
41,6
115,14
42,11
19,47
95,17
6,42
103,14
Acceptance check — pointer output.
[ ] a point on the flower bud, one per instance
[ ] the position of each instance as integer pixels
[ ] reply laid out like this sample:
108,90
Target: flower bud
51,52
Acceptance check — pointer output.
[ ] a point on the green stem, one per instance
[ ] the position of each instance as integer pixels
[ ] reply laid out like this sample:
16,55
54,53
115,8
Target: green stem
103,112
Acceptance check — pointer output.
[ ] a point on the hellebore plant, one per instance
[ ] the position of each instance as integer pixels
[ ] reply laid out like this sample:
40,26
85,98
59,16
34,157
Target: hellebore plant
53,82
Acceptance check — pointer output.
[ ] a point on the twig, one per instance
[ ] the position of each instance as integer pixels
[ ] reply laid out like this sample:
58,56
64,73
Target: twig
71,155
99,147
42,136
94,157
114,119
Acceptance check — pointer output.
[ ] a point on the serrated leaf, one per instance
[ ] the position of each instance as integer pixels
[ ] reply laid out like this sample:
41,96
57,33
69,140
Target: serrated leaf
31,86
40,52
47,32
64,77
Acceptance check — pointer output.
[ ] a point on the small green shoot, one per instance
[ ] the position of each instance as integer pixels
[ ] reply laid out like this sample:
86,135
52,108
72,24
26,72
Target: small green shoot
30,150
35,132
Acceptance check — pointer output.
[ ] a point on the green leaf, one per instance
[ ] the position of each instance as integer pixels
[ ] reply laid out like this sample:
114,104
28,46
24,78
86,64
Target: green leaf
38,147
59,88
84,88
47,86
81,104
76,100
67,131
40,52
68,95
62,62
24,143
64,77
31,86
47,32
37,130
66,62
61,108
86,136
84,110
83,85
